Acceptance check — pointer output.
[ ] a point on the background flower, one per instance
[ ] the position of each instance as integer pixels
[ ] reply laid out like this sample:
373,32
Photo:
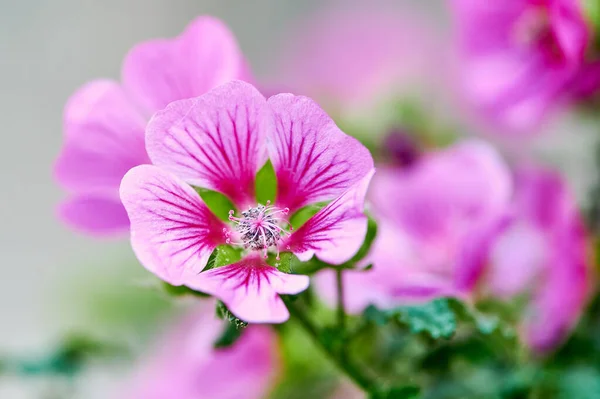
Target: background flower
104,121
185,365
518,58
542,252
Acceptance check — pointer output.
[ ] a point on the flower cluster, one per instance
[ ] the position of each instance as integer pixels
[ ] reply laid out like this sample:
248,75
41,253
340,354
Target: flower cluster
182,152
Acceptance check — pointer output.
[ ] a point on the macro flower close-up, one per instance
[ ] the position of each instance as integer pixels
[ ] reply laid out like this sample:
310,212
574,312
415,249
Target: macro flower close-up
383,199
220,141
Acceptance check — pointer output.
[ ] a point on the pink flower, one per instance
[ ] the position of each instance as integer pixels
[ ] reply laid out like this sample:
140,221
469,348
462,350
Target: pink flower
104,121
352,56
542,250
186,366
219,141
436,221
519,56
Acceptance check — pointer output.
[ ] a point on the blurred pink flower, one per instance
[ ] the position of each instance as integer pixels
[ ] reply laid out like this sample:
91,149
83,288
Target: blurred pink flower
104,120
353,55
186,366
519,56
453,225
436,221
219,141
542,251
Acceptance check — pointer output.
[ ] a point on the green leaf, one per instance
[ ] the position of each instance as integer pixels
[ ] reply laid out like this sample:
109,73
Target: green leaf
435,318
231,333
487,322
218,203
303,214
581,383
405,392
376,316
266,184
70,357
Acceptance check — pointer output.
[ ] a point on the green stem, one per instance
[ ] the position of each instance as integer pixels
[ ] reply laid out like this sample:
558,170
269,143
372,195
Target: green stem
341,314
593,212
341,309
363,381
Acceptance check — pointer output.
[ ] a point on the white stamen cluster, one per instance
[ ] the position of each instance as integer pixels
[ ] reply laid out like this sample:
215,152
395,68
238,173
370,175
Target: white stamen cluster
261,227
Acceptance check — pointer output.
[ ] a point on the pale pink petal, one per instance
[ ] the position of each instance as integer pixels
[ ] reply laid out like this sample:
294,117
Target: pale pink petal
250,289
337,231
313,159
95,214
204,56
172,231
185,365
516,259
446,192
561,290
104,138
216,141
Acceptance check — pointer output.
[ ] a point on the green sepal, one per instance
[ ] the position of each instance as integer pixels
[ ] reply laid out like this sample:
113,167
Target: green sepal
218,203
225,255
287,263
266,184
302,215
224,313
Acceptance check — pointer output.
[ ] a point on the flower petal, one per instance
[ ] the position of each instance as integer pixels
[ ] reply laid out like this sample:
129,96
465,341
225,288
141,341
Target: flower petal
215,141
570,27
172,231
104,138
204,56
184,363
560,295
313,159
337,231
95,214
446,192
250,289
